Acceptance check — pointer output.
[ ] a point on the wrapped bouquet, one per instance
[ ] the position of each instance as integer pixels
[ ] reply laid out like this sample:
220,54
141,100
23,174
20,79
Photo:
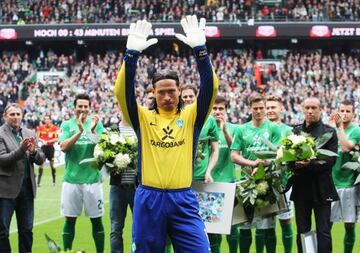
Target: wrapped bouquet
265,187
260,190
116,152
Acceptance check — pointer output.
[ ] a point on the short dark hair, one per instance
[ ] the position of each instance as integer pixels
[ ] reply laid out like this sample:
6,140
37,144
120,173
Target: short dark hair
81,96
190,87
165,74
10,105
273,98
221,100
256,98
348,102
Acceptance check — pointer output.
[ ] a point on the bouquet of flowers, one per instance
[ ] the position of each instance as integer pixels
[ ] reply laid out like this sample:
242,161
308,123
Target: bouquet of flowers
296,148
302,147
54,248
115,151
354,164
259,190
265,187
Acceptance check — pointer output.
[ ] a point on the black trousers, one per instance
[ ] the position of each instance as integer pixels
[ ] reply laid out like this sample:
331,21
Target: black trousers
23,206
303,210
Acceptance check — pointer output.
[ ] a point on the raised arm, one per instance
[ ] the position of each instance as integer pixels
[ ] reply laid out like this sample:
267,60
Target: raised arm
195,38
124,86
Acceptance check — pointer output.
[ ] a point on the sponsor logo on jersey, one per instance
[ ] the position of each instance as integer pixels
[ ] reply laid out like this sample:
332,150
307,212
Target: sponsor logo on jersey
168,131
164,144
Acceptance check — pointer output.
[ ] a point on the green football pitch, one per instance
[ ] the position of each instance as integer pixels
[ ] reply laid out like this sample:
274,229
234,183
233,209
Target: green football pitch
48,220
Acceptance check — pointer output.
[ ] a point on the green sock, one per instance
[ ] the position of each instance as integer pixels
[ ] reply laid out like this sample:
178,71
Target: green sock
215,241
68,234
287,237
40,175
260,240
98,234
270,240
245,240
53,173
232,239
349,239
168,245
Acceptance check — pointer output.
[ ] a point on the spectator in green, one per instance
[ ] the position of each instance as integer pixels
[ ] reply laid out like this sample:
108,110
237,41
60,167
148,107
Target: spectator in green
224,170
249,139
273,112
346,208
81,187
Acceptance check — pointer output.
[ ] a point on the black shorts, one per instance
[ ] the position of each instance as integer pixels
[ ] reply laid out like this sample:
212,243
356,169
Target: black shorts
49,152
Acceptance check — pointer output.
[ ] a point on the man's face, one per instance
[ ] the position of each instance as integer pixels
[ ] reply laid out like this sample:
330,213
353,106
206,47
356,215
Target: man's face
47,120
258,110
82,107
346,112
167,94
188,96
273,110
149,99
13,117
219,110
312,110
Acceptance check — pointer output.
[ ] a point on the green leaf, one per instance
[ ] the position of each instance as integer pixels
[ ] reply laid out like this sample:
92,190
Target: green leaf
260,173
110,165
53,247
326,153
271,146
306,152
252,200
323,139
266,155
357,181
288,156
351,166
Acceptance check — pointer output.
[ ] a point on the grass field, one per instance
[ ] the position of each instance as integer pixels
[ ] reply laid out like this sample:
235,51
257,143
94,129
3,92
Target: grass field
48,220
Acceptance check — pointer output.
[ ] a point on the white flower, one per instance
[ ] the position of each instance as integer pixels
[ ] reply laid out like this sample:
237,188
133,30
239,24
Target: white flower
131,140
98,152
122,140
122,161
296,139
359,159
115,139
262,188
279,153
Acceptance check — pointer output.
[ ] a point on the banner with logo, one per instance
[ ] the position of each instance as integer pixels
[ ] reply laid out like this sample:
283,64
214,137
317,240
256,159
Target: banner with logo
235,30
50,77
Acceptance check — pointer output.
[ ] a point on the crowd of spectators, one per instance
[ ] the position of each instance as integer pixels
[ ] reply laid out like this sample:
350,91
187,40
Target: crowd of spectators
332,78
124,11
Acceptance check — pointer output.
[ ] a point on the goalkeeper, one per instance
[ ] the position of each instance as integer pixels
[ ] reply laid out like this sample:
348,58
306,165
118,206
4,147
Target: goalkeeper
164,201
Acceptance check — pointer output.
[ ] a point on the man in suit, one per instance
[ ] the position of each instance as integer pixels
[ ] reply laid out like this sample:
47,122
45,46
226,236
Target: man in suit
313,186
18,153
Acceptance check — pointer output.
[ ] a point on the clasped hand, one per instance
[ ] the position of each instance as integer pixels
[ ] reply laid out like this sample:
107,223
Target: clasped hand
28,144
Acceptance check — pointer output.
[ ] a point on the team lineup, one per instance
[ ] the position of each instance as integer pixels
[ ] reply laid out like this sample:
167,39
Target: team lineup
176,119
